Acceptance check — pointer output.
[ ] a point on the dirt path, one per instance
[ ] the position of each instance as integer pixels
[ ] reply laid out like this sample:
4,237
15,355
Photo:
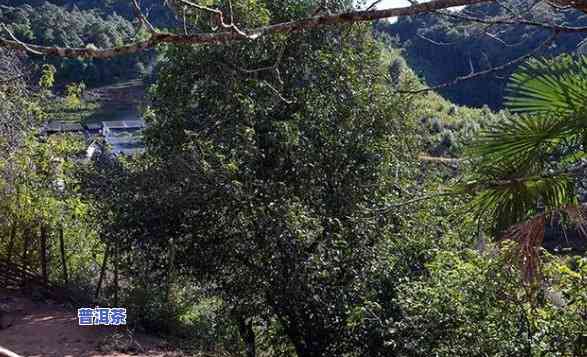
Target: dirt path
50,330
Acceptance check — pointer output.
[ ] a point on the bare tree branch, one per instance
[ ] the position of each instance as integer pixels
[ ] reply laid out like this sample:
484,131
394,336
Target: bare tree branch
437,43
473,75
235,34
220,15
142,18
277,93
24,45
516,21
7,353
496,38
576,4
375,3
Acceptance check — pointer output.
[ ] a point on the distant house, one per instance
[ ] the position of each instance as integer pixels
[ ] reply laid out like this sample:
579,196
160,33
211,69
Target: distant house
113,128
125,137
122,137
57,127
93,128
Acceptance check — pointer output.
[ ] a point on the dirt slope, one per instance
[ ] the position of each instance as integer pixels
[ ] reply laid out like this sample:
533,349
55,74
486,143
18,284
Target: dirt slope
46,329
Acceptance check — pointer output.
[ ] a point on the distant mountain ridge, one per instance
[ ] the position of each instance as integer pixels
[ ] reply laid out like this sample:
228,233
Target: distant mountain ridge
439,49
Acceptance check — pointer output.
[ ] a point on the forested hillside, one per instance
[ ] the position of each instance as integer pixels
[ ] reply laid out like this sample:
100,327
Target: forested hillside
77,26
441,48
287,184
158,12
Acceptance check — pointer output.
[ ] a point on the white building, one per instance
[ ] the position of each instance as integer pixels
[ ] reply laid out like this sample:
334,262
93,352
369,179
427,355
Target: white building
122,137
125,137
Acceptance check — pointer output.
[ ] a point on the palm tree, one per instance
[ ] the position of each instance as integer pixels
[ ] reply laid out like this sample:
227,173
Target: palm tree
530,166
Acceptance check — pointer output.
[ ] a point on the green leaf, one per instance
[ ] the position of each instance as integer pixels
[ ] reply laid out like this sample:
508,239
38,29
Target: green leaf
549,86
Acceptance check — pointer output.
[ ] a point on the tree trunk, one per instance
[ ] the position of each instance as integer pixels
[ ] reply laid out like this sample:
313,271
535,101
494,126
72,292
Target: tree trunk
304,344
170,269
43,254
63,260
25,247
11,241
102,271
248,335
116,276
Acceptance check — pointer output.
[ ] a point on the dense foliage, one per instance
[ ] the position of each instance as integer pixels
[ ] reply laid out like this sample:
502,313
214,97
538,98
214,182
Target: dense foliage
39,201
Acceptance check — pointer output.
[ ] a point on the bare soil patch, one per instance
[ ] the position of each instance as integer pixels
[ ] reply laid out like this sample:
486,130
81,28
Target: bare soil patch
49,329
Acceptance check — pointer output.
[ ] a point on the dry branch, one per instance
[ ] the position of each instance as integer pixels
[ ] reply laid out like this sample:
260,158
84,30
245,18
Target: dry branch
232,35
7,353
494,69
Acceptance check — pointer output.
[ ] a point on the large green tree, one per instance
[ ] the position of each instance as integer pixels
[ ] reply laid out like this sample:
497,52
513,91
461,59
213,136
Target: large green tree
273,155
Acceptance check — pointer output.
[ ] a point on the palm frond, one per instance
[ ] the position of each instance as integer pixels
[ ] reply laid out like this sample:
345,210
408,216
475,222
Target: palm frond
513,200
525,162
528,165
524,142
529,236
550,86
